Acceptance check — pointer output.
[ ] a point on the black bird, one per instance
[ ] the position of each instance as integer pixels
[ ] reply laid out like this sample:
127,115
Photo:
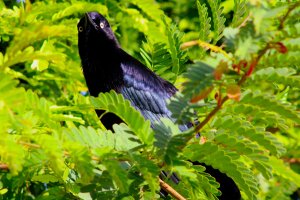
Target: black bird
107,67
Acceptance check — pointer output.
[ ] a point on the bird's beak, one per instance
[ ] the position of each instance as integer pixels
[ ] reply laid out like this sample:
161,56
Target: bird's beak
89,19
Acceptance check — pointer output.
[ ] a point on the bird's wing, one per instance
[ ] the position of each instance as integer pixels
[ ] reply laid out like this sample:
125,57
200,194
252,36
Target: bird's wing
146,91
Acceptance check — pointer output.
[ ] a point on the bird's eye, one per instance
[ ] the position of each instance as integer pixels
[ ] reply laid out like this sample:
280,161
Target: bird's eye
101,24
80,28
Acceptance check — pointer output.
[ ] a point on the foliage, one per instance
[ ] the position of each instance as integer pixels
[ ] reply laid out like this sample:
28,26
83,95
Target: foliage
243,86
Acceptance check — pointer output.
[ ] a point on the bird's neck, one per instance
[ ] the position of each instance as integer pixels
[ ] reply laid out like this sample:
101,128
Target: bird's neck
102,70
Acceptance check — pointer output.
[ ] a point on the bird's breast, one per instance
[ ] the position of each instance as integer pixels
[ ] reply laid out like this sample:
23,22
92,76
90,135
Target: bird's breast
103,77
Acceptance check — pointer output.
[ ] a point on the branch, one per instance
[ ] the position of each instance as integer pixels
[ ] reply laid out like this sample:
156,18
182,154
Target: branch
281,25
210,115
257,59
170,190
204,45
241,81
244,22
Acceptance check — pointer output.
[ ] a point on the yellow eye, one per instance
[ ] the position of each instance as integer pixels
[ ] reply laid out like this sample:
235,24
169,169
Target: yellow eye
101,24
80,28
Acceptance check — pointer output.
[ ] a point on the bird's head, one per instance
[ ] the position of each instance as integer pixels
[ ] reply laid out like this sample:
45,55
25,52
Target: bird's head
94,33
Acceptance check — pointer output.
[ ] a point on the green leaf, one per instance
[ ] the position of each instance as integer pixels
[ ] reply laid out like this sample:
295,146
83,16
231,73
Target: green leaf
268,103
218,19
118,174
169,140
11,153
259,117
182,110
79,7
149,171
158,58
45,178
199,77
204,22
240,10
174,42
278,75
11,100
150,8
52,147
230,164
89,137
237,126
123,139
194,176
283,170
115,103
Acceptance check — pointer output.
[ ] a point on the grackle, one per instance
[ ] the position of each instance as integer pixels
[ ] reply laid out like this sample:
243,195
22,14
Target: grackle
107,67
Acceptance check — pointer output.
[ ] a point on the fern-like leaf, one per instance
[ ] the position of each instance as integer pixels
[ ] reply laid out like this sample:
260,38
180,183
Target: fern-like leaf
122,139
204,22
151,9
282,191
193,176
169,140
239,11
37,33
11,153
246,148
174,42
199,77
89,137
283,170
11,99
118,174
278,75
115,103
79,7
259,117
228,163
148,169
158,58
240,127
218,19
181,109
166,58
270,104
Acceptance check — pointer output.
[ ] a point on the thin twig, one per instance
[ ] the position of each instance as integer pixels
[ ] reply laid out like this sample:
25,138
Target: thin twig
241,81
189,44
204,45
29,145
210,115
292,160
94,158
281,25
4,166
244,22
170,190
261,53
